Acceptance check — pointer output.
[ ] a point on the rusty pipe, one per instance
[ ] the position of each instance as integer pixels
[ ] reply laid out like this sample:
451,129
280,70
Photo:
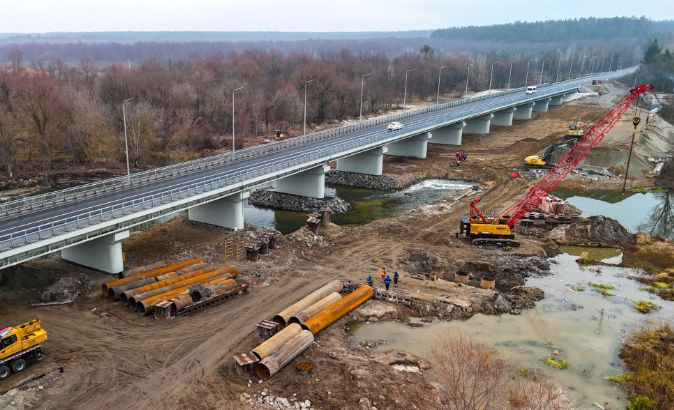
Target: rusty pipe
139,269
301,317
305,302
174,306
338,309
117,291
199,292
146,305
107,286
272,344
186,269
292,348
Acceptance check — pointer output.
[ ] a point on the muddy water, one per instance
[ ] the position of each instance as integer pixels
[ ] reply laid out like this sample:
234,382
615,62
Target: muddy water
368,204
586,327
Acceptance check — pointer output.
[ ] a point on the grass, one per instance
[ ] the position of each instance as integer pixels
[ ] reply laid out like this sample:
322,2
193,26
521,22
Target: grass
524,372
644,306
641,403
557,363
602,288
620,378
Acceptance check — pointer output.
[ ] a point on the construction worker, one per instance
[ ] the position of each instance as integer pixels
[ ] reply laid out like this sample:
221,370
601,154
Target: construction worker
382,273
387,281
369,280
395,279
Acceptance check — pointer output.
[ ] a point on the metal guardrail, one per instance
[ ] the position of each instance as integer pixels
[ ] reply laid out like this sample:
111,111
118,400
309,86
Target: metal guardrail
83,220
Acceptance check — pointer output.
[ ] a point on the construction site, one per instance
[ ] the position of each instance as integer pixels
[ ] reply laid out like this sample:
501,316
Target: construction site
205,317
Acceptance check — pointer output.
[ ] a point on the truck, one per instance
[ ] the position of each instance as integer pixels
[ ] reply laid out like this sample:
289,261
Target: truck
20,345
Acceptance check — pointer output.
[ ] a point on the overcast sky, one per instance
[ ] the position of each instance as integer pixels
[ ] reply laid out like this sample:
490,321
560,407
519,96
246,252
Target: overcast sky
39,16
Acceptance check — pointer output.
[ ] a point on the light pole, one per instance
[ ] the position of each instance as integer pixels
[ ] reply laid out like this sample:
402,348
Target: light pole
467,74
570,67
405,93
610,63
559,64
126,139
437,98
582,64
542,68
233,125
510,73
362,85
304,128
592,65
526,78
491,72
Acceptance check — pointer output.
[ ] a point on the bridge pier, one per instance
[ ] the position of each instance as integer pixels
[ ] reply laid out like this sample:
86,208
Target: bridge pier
504,117
369,162
557,100
542,105
415,146
449,135
225,212
104,253
309,183
479,125
524,111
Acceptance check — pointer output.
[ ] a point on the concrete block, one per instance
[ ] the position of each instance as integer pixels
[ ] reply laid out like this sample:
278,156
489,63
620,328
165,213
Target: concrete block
542,105
225,212
479,125
104,253
415,146
524,111
309,183
369,162
449,135
504,117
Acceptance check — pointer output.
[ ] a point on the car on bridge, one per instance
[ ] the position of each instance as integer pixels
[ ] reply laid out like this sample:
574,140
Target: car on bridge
394,126
531,89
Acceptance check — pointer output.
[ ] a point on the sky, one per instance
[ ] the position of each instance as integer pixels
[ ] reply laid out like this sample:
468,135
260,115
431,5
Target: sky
40,16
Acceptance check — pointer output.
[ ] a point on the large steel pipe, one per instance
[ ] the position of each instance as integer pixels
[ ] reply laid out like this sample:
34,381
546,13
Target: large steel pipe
178,303
301,317
338,309
108,287
200,292
272,344
320,293
146,306
292,348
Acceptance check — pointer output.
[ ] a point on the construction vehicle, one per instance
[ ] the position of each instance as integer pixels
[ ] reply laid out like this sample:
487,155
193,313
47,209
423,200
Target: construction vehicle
547,159
497,230
20,345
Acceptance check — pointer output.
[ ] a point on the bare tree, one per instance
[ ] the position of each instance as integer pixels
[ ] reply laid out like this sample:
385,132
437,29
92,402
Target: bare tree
143,122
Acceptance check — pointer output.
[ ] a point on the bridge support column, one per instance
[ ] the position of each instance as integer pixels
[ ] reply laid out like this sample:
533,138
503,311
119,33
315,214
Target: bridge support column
415,146
557,100
369,162
524,111
542,105
104,253
449,135
225,212
479,125
504,117
309,183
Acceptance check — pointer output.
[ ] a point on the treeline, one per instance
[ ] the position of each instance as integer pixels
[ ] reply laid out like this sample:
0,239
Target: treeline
565,31
658,67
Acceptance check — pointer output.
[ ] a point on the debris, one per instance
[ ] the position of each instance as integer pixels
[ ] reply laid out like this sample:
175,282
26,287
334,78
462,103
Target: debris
66,289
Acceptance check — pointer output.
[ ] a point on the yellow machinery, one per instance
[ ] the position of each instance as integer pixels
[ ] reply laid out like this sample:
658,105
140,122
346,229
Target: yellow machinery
19,345
576,130
482,231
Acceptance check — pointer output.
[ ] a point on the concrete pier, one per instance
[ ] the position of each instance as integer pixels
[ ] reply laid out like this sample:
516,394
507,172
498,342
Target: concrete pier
542,105
309,183
449,135
504,117
415,146
226,212
557,100
479,125
104,253
369,162
524,111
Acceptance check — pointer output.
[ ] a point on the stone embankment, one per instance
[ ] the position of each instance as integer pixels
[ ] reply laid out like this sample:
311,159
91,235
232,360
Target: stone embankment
288,202
380,182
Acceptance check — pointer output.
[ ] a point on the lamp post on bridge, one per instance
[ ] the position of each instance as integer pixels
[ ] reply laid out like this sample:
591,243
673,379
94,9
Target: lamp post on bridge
126,139
542,68
559,64
304,127
570,67
467,73
510,73
405,92
233,116
526,78
362,85
491,72
437,98
602,64
592,65
610,63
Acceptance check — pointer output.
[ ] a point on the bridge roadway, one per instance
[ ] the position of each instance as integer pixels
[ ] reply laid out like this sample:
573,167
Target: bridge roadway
17,244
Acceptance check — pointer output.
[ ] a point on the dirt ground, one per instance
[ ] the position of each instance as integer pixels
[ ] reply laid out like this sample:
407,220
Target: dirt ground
114,358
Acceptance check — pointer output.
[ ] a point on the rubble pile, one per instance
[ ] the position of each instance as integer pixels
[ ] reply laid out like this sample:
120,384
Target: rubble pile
593,231
280,200
67,288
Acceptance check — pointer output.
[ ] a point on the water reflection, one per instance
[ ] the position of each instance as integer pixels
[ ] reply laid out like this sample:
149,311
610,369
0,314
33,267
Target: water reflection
660,220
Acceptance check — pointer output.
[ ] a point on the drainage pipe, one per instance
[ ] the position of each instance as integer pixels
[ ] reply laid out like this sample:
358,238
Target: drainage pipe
272,344
107,287
338,309
320,293
301,317
199,292
292,348
146,305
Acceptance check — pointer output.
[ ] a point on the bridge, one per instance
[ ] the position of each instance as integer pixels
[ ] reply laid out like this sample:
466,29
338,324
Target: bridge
88,223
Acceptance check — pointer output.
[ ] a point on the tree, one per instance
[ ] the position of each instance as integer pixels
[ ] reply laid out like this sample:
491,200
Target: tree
143,121
15,57
652,54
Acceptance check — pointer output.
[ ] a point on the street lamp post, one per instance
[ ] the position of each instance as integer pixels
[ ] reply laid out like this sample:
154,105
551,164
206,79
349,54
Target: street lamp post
592,65
437,98
405,92
559,64
526,78
570,67
510,73
126,139
491,72
304,127
582,64
542,68
602,64
467,74
233,122
610,63
362,85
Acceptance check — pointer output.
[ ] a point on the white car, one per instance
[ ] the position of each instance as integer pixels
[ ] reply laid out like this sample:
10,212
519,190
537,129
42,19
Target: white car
394,126
531,89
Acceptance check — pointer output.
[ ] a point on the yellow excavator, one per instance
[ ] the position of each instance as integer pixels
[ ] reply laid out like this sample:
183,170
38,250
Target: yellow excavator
20,345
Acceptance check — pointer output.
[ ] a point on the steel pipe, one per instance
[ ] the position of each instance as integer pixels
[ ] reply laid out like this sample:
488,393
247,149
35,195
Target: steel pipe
301,317
338,309
272,344
202,292
292,348
107,286
146,305
320,293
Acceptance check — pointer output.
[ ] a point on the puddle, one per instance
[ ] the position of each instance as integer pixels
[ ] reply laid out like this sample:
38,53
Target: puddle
612,256
574,318
368,204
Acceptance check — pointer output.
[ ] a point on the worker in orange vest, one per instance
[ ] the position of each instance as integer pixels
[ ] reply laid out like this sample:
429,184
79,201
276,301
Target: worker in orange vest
382,273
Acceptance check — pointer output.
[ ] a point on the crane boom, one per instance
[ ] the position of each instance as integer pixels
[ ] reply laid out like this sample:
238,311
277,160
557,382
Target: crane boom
568,162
